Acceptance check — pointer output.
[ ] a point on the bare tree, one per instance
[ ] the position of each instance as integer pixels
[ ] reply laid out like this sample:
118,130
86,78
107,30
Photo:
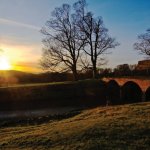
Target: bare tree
97,39
143,45
63,42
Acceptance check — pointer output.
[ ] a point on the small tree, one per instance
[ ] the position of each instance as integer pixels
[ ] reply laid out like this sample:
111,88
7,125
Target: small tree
143,45
97,39
63,42
122,70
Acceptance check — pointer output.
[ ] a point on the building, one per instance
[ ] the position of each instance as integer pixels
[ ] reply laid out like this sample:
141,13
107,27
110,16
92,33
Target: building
143,65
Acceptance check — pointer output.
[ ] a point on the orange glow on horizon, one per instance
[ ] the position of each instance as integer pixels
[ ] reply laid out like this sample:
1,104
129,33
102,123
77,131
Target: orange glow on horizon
19,58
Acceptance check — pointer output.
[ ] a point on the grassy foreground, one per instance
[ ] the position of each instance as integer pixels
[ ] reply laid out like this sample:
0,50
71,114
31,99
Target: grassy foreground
118,127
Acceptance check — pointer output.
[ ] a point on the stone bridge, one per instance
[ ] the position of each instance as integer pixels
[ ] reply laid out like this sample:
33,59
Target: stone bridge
144,84
132,89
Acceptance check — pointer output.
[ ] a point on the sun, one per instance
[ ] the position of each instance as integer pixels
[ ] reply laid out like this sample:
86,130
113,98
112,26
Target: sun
4,63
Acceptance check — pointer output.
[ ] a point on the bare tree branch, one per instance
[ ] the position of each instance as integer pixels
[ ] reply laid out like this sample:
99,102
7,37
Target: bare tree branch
97,39
62,41
143,44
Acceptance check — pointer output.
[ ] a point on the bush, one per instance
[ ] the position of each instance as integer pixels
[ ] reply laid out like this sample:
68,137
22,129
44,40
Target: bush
95,91
81,93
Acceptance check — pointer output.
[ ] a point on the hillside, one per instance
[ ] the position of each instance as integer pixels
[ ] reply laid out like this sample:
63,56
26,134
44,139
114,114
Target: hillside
13,77
10,77
119,127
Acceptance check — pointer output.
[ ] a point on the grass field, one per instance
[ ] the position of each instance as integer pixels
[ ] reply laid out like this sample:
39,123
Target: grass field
118,127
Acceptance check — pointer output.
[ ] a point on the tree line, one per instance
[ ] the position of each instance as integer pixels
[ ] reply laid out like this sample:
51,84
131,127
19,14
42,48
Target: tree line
124,70
75,40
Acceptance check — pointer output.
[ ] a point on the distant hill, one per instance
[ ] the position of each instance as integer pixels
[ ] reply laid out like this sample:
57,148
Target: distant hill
8,77
11,77
12,73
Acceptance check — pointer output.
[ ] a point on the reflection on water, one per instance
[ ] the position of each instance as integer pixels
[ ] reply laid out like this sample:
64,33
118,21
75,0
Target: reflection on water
36,113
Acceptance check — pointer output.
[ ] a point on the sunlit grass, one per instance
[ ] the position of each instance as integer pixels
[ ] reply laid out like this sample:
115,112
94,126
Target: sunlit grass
118,127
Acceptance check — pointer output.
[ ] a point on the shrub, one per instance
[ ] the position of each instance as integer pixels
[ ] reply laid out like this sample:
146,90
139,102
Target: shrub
81,93
93,92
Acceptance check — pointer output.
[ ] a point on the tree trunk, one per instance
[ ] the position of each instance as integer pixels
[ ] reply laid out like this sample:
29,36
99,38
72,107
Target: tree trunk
75,74
94,70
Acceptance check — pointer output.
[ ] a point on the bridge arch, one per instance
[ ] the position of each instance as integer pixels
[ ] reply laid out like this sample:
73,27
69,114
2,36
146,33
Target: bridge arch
147,94
113,92
131,92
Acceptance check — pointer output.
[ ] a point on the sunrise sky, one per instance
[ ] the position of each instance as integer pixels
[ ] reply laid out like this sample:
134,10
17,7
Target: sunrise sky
21,21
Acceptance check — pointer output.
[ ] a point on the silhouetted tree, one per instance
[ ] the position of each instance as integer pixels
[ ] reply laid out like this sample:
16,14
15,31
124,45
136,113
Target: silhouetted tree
122,70
143,45
105,72
63,42
97,39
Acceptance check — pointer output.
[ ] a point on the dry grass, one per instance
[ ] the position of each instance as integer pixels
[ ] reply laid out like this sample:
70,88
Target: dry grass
118,127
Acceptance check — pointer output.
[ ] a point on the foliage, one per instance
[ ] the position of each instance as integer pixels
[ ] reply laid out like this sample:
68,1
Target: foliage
48,95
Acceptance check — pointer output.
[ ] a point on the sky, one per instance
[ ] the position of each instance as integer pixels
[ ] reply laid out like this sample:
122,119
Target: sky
21,21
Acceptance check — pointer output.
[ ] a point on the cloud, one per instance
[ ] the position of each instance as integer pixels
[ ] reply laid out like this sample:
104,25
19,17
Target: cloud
22,52
32,67
27,64
11,22
19,41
